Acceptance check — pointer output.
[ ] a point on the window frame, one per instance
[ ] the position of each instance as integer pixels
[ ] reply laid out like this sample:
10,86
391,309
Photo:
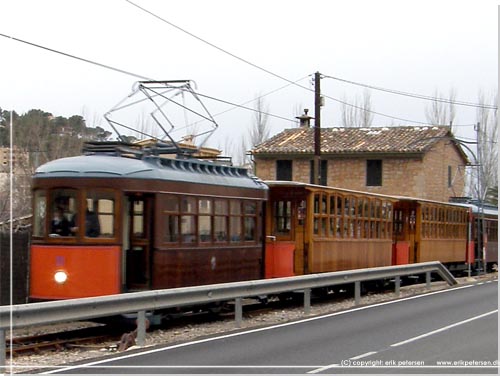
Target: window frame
374,172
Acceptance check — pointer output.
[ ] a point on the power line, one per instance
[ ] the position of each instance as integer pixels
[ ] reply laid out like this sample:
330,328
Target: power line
142,77
392,117
211,44
413,95
76,57
264,69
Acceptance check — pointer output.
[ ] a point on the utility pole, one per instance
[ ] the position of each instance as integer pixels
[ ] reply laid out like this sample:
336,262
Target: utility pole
480,220
317,129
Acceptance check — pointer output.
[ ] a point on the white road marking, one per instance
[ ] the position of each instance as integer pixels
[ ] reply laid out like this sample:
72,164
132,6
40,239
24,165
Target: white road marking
310,319
444,328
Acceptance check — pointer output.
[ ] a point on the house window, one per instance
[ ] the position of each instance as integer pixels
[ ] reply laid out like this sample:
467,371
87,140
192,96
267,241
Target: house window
284,170
323,171
450,177
374,172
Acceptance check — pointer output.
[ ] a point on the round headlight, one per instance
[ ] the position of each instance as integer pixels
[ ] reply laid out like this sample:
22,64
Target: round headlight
60,277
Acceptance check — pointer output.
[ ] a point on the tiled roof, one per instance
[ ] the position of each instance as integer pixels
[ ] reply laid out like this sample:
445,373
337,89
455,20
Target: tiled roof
354,140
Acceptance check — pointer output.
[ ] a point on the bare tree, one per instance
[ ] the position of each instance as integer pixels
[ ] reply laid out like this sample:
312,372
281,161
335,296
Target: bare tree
359,113
260,130
487,148
258,133
439,112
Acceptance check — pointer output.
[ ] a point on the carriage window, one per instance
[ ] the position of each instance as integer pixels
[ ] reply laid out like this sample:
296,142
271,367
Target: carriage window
39,213
188,205
100,215
171,204
63,213
204,220
138,219
171,218
220,220
250,221
171,229
250,225
282,216
188,228
235,221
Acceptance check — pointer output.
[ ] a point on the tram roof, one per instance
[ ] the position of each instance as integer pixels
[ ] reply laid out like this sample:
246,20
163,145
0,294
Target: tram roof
149,167
488,210
282,183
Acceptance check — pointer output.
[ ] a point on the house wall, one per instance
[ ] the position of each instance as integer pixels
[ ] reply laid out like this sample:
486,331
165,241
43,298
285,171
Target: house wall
425,178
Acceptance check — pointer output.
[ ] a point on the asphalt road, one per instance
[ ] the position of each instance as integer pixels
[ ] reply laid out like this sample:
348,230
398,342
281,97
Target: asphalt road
411,335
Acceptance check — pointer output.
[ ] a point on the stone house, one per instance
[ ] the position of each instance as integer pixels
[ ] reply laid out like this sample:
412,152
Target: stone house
420,162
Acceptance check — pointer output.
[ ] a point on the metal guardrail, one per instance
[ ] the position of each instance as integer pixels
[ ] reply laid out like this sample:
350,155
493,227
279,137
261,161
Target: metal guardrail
23,315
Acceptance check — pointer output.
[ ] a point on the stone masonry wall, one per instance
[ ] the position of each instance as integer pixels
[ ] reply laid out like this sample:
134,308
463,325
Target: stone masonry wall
425,178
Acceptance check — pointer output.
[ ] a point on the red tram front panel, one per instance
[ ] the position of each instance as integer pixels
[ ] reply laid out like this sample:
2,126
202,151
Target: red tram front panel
65,272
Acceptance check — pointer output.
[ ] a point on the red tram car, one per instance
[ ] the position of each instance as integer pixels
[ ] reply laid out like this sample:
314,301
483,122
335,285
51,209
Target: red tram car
134,222
121,219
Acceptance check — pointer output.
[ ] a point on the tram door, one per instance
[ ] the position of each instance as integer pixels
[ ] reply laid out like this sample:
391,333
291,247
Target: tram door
405,245
138,263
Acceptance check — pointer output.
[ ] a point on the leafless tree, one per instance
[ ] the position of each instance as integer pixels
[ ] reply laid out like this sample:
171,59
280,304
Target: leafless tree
357,113
260,130
258,133
487,148
439,112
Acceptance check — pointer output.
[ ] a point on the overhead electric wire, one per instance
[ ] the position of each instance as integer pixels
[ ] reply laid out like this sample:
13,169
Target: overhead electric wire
244,107
273,73
76,57
413,95
393,117
210,44
142,77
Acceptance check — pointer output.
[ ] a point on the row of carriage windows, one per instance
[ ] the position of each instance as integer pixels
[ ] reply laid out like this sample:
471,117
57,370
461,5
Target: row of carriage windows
443,223
58,214
189,220
186,219
341,216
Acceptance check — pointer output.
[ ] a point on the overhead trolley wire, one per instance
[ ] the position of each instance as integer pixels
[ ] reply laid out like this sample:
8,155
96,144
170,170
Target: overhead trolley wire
76,57
414,95
273,73
211,44
142,77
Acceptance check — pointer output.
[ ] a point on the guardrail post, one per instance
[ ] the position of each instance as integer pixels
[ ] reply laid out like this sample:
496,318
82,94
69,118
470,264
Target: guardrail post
141,328
3,351
397,283
307,301
238,312
428,280
357,292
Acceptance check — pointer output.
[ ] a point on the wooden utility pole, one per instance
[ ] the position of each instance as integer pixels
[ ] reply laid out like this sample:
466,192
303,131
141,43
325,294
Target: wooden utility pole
317,129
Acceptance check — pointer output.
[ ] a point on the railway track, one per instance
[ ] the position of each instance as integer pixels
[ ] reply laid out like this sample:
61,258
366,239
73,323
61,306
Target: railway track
62,340
99,335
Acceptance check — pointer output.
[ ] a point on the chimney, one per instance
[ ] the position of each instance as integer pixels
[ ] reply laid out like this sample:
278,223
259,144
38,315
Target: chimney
305,119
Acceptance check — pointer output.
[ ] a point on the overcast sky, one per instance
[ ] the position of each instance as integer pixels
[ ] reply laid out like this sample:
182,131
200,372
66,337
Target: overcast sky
419,47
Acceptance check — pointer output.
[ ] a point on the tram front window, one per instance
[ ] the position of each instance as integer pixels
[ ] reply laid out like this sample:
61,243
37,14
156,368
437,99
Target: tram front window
63,213
39,213
99,214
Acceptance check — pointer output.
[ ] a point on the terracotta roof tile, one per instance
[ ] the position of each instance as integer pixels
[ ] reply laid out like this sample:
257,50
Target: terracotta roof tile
354,140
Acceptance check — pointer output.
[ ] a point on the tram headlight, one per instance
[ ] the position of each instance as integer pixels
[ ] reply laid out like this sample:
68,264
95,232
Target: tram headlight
60,277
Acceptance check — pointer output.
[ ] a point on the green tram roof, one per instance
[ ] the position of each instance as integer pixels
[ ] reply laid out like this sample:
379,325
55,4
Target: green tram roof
149,168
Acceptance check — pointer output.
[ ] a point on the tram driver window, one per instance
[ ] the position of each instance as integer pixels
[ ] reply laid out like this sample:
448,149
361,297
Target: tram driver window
63,213
99,214
39,213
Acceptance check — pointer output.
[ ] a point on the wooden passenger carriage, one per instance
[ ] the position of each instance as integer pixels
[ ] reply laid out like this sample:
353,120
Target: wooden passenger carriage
163,223
326,228
430,231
